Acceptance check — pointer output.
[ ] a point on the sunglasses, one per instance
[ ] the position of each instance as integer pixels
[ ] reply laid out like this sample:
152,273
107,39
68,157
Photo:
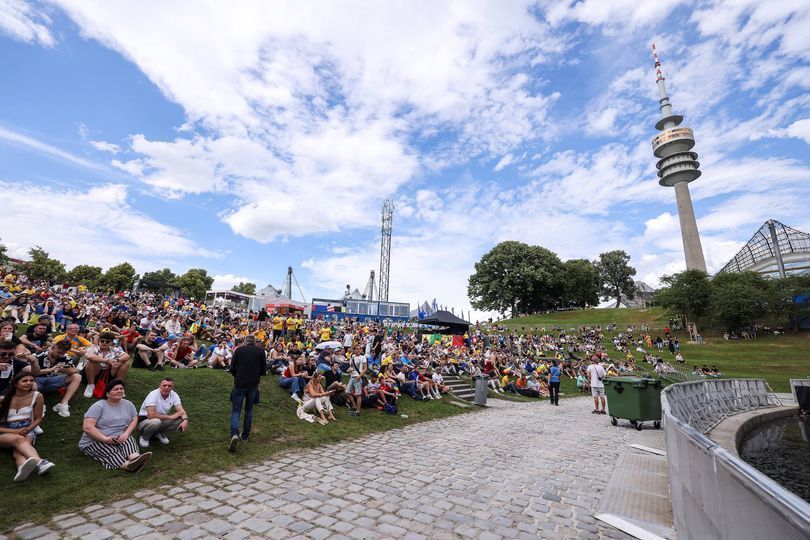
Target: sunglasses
105,341
6,355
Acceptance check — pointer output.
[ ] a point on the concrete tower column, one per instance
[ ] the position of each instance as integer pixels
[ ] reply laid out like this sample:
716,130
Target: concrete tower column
677,167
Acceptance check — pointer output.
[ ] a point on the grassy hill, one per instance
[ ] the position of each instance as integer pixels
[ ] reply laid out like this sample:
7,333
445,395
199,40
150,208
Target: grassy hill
773,358
655,316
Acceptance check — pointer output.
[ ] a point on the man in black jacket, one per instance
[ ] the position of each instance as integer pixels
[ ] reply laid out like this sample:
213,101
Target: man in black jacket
247,367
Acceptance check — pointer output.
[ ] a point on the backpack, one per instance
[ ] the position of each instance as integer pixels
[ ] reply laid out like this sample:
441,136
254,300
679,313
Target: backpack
390,408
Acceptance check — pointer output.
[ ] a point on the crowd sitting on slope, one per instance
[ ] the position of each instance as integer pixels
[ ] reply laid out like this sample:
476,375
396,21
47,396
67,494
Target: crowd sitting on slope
75,335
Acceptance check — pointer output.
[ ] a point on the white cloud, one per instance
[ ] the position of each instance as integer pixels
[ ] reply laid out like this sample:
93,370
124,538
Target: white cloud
329,115
21,21
800,129
97,226
504,162
31,143
616,14
103,146
227,281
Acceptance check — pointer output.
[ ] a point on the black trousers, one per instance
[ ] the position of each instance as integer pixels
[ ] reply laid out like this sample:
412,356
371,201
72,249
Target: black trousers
554,391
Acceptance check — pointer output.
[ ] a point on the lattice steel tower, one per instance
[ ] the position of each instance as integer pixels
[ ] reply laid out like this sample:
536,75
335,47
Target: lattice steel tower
677,167
385,248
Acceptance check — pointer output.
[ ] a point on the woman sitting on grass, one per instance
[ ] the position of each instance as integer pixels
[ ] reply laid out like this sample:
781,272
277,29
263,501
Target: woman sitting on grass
21,411
316,398
108,427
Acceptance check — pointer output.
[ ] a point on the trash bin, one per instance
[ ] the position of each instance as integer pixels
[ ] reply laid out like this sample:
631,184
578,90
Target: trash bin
635,399
481,390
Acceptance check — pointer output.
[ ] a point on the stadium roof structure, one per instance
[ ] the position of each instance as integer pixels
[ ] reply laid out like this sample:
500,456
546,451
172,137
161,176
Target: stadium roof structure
775,250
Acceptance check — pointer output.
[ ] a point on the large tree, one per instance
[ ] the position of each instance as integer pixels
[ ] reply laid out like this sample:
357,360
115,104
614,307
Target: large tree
245,288
42,266
516,277
120,277
160,281
195,283
580,287
739,299
783,299
686,293
84,274
4,260
616,275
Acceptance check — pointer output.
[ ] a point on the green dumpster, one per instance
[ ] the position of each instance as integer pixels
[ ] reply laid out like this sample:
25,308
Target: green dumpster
634,398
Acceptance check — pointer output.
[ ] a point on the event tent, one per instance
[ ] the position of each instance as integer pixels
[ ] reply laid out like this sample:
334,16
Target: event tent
450,323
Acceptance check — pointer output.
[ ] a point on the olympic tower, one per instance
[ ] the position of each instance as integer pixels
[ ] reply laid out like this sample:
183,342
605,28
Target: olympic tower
677,166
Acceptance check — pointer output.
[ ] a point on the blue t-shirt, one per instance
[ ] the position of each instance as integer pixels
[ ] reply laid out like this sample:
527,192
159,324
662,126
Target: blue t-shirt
554,374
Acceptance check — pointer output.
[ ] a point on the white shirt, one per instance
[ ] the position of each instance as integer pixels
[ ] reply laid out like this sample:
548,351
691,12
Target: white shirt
595,372
437,378
162,406
361,363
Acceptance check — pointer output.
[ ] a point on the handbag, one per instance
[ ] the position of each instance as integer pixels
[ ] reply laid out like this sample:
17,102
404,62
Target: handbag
102,379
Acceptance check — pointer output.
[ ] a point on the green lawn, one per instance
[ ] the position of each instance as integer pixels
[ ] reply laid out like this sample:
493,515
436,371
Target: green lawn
77,481
655,316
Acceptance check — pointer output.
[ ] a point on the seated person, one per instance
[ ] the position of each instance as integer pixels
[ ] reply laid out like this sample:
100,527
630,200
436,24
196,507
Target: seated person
155,418
78,343
21,411
333,381
108,426
531,388
220,356
38,339
10,365
181,354
7,334
54,371
316,398
293,378
371,393
151,351
438,380
104,356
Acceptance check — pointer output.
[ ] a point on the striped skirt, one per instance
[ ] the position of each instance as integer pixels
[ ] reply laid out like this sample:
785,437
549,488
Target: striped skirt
112,456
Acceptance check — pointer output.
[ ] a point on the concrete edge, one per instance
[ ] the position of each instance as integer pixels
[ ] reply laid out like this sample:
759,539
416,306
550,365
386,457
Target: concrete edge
731,431
629,527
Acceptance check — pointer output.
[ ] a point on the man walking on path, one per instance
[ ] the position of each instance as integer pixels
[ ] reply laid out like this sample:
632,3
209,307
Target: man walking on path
595,374
248,365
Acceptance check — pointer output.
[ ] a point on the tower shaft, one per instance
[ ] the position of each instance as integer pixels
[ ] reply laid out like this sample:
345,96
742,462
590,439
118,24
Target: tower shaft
677,166
385,248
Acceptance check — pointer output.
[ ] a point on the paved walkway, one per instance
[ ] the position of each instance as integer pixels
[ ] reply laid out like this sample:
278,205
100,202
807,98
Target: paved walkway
515,470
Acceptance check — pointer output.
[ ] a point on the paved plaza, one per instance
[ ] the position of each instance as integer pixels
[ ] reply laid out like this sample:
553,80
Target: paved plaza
514,470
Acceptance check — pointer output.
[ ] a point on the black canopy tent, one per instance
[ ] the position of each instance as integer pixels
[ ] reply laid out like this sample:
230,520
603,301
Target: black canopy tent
451,324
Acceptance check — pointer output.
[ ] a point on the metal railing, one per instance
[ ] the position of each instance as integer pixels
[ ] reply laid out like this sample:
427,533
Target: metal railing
714,493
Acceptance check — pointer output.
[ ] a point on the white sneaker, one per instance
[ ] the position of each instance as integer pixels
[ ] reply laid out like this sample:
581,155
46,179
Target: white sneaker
24,470
143,442
296,398
88,391
44,466
162,439
62,409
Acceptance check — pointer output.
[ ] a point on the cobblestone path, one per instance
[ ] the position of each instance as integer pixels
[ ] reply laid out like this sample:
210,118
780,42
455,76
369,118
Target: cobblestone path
515,470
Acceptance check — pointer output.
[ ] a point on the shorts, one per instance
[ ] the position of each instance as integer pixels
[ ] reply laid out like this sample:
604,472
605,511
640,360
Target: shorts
355,386
50,384
597,391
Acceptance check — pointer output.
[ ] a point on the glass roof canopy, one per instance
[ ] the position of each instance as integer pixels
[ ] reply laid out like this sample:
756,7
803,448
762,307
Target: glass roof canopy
759,253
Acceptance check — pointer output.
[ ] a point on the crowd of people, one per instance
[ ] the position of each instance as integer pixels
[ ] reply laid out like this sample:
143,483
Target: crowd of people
75,336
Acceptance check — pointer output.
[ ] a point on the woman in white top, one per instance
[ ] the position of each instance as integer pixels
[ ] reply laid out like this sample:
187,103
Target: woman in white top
21,411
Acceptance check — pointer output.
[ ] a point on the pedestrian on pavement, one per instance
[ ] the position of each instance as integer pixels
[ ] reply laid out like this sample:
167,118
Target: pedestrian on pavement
554,383
248,365
596,373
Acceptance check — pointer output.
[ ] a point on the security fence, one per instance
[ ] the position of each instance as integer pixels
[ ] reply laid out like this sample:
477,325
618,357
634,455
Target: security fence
715,494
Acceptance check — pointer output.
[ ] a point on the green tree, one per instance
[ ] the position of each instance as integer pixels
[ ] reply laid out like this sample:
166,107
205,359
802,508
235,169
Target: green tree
686,293
41,266
160,281
616,275
4,260
580,287
195,283
739,299
120,277
84,274
516,277
245,288
782,299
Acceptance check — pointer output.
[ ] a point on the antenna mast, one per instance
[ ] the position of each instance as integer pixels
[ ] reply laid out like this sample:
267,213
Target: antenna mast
385,248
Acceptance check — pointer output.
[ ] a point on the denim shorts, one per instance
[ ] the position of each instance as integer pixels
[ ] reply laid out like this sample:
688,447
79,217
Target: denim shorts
355,386
50,384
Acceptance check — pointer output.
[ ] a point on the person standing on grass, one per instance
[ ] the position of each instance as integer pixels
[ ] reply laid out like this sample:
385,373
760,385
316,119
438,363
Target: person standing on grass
596,373
248,365
554,383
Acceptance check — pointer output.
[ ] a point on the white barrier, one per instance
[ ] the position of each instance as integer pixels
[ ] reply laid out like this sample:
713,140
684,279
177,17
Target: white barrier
715,494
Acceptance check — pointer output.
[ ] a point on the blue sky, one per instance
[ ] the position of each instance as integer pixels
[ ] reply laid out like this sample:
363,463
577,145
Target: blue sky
246,139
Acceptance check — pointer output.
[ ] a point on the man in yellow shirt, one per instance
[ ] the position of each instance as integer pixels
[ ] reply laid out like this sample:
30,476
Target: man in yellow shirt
278,326
78,345
326,333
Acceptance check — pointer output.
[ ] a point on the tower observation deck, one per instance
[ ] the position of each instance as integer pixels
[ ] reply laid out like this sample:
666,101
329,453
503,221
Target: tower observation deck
677,166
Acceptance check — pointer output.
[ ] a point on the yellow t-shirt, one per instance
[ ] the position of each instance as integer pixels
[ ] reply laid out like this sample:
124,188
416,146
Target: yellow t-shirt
326,333
278,323
76,343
